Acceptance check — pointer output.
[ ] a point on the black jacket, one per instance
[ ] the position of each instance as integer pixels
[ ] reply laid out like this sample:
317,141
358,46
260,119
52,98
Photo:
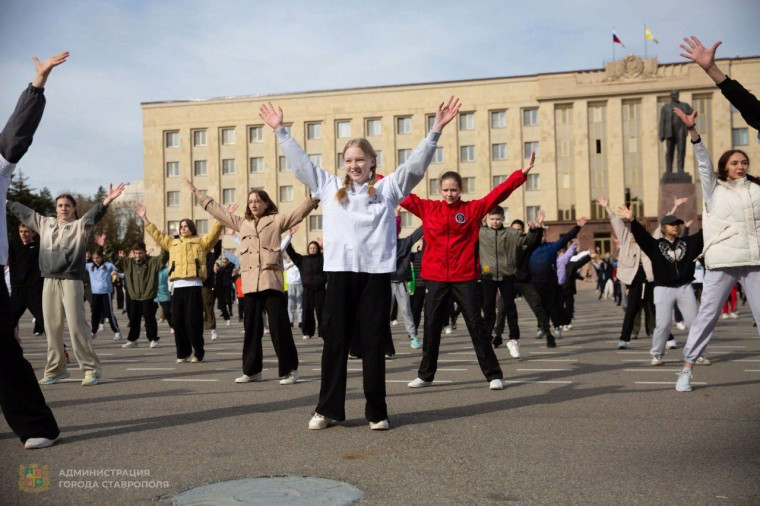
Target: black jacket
672,262
311,268
211,257
404,256
522,272
747,104
24,263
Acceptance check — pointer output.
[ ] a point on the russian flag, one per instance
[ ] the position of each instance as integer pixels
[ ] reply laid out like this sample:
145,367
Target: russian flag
616,39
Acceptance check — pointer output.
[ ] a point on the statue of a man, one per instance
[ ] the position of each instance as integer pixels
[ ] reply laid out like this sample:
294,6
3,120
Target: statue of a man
673,132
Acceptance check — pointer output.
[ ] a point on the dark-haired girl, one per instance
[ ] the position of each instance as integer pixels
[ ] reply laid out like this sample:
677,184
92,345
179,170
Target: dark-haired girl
731,225
187,269
63,241
261,269
314,281
102,290
451,268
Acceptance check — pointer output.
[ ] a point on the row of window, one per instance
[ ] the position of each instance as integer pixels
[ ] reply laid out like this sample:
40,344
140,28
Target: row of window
256,164
373,127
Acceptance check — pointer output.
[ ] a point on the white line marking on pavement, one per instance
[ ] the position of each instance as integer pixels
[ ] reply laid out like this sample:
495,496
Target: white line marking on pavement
119,360
746,360
652,369
666,382
751,370
151,368
435,382
448,370
461,353
553,359
544,352
730,347
187,379
548,370
553,382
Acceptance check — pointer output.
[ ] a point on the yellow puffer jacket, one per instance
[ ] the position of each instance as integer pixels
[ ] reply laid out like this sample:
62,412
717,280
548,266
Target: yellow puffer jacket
187,255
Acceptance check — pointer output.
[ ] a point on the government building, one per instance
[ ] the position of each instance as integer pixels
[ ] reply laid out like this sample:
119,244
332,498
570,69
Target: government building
595,133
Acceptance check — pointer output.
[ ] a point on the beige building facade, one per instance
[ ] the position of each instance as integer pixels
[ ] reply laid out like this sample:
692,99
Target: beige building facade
595,133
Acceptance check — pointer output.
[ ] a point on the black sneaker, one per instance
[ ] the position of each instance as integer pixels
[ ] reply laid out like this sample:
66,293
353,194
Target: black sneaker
550,342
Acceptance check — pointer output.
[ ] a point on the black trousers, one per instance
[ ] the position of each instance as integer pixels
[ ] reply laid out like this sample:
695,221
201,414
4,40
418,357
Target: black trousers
223,303
119,291
468,295
21,398
313,301
531,296
507,289
551,300
241,305
357,305
138,310
28,297
275,304
635,304
418,304
102,307
187,321
166,307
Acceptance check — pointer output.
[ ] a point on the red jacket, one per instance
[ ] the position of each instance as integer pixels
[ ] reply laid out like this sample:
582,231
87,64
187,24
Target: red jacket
451,231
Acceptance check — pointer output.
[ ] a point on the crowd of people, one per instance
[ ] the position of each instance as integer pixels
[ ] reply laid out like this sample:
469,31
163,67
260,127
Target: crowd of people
343,288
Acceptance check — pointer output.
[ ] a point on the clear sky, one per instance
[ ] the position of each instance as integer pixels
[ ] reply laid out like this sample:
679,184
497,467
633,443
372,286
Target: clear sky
132,51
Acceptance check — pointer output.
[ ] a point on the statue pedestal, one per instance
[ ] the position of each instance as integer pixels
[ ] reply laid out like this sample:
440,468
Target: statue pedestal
677,185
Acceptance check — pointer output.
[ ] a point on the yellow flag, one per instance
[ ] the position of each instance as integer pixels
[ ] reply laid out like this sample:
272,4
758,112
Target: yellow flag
648,35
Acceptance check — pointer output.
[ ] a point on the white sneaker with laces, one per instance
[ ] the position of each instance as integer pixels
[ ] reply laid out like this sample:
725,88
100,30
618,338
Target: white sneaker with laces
703,360
35,443
214,335
496,384
101,327
291,378
447,329
724,316
319,422
248,379
680,326
183,360
381,425
656,360
117,336
622,345
683,384
672,344
513,345
130,344
419,383
228,322
153,344
394,323
733,315
196,360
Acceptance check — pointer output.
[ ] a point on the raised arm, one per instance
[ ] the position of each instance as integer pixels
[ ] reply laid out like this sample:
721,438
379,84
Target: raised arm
704,163
503,190
297,215
25,215
294,256
163,240
209,240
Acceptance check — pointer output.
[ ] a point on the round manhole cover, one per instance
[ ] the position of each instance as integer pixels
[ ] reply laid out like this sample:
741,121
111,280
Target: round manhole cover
271,490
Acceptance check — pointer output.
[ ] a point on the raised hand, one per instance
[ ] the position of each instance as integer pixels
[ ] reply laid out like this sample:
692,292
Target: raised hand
540,217
113,193
687,120
603,201
45,67
293,230
141,211
100,240
532,225
688,223
581,221
270,116
531,163
191,186
232,207
699,54
680,201
122,253
625,213
446,112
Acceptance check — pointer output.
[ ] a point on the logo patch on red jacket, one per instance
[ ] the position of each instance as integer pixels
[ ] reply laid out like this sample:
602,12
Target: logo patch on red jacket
459,217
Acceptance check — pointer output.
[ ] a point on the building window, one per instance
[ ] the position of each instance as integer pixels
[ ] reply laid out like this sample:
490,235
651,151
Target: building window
316,159
344,129
315,222
403,125
531,212
467,153
286,194
438,155
201,226
228,136
499,119
530,147
339,157
430,122
433,188
172,169
739,137
407,219
313,131
467,121
173,228
497,180
257,164
228,196
228,166
499,151
563,115
563,148
256,134
533,182
283,164
172,199
403,155
564,181
596,113
199,168
530,117
199,138
469,185
373,127
172,139
629,111
196,200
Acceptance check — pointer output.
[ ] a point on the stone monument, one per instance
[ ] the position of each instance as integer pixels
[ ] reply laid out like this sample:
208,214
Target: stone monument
673,132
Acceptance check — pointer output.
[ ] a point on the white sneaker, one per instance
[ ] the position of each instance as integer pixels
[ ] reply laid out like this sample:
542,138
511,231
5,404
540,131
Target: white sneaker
671,345
248,379
496,384
101,327
680,326
153,344
703,360
214,335
683,384
733,315
183,360
228,322
306,337
394,323
196,360
130,344
513,345
171,331
117,336
724,316
622,345
656,360
558,332
35,443
291,378
419,383
447,329
319,422
381,425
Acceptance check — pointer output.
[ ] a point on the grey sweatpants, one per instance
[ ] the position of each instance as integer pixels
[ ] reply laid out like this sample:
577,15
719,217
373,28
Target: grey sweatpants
715,289
400,292
295,303
665,297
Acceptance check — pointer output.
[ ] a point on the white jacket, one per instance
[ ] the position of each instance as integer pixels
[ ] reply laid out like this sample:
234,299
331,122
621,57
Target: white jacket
359,236
730,218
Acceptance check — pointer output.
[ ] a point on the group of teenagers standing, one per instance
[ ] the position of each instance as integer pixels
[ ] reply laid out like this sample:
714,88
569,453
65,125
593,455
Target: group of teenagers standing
360,255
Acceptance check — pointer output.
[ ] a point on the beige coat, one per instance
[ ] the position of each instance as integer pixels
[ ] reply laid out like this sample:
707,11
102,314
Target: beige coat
261,265
630,255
